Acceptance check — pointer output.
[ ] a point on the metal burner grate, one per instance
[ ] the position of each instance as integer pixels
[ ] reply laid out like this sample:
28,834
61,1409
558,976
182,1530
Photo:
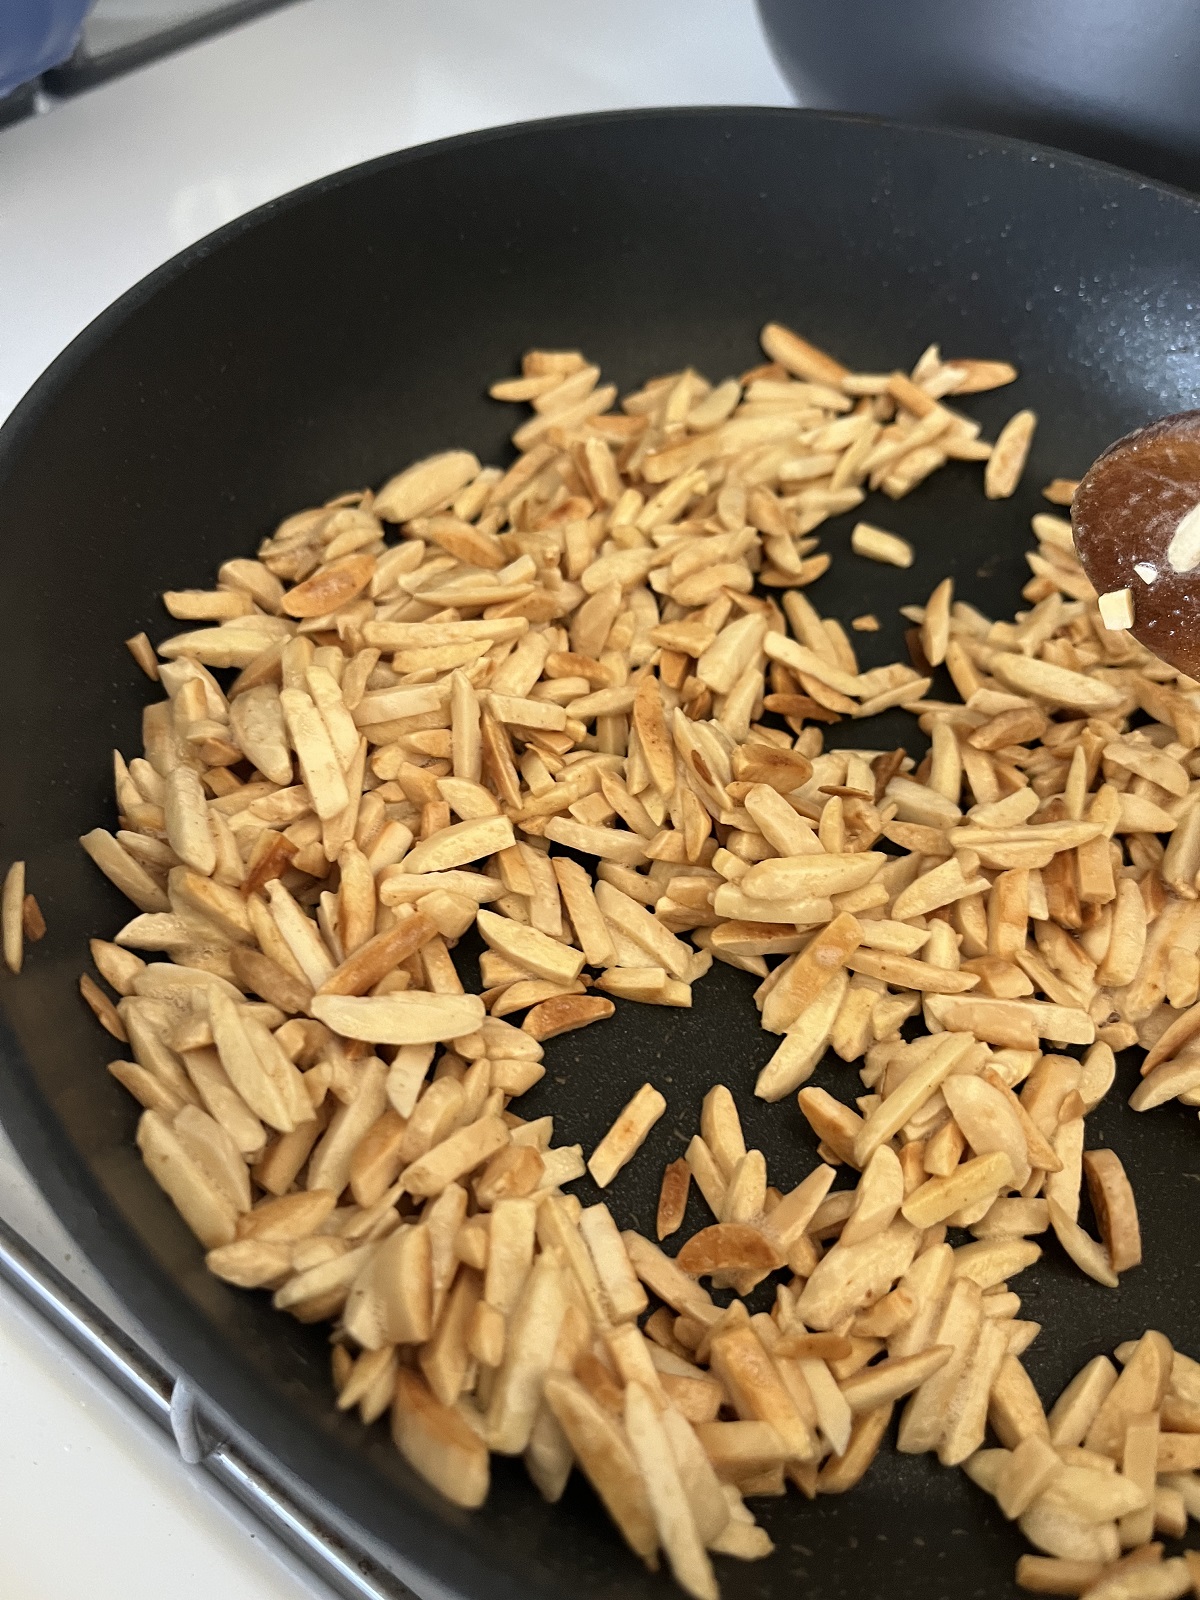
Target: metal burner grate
120,35
309,1528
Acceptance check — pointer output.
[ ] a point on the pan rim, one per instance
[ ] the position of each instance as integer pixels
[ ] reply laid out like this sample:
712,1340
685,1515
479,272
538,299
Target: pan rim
433,1550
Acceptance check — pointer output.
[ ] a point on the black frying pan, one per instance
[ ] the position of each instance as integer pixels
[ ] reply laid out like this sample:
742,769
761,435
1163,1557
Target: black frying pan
329,339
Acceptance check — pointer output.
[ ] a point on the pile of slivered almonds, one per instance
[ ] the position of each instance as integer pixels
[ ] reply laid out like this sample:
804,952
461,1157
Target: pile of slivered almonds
450,692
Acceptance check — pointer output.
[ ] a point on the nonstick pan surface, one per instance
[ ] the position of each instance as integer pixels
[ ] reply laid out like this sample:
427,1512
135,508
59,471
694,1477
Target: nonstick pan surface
327,340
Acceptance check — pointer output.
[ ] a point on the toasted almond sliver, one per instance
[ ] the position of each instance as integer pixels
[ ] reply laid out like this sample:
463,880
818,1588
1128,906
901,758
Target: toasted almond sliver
664,1279
1058,685
1151,1580
957,1325
672,1512
1082,1248
966,1420
450,1160
211,1216
799,357
529,1350
791,1217
886,1120
425,485
633,920
624,1293
11,916
251,1263
989,1121
729,1247
318,759
740,1360
878,1198
536,952
329,1165
586,917
849,1277
1115,1208
801,980
1075,1410
939,1198
1050,1528
804,1043
405,1019
841,1473
878,545
1009,453
459,844
880,1385
1031,1468
186,813
33,922
436,1441
266,1081
565,1013
906,972
233,644
627,1134
808,876
603,1452
672,1199
121,869
142,651
379,956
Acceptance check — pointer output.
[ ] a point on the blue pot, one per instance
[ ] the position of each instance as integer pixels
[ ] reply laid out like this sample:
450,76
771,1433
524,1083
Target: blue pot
36,34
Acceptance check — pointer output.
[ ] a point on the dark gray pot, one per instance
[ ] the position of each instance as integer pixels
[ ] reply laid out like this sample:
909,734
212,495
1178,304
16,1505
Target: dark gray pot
1114,79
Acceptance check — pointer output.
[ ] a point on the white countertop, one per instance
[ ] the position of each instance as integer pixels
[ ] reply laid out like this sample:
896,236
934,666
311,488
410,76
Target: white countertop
103,188
94,194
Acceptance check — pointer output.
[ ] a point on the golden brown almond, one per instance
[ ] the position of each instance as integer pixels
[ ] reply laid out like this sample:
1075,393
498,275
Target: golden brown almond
1115,1208
330,588
565,1013
672,1197
729,1247
383,954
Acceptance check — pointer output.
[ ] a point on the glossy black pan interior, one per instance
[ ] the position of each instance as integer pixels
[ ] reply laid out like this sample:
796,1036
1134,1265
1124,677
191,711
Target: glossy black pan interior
329,339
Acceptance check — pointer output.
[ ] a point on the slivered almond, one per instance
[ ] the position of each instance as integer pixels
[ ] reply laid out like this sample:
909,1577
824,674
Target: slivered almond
906,972
372,961
13,908
939,1198
425,485
803,978
1007,460
672,1198
564,1014
729,1247
878,545
851,1276
330,588
204,1207
880,1385
459,844
1083,1250
319,763
1115,1208
535,952
408,1018
121,869
627,1134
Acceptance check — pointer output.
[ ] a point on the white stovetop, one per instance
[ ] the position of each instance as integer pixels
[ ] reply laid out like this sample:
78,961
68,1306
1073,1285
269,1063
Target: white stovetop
94,194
